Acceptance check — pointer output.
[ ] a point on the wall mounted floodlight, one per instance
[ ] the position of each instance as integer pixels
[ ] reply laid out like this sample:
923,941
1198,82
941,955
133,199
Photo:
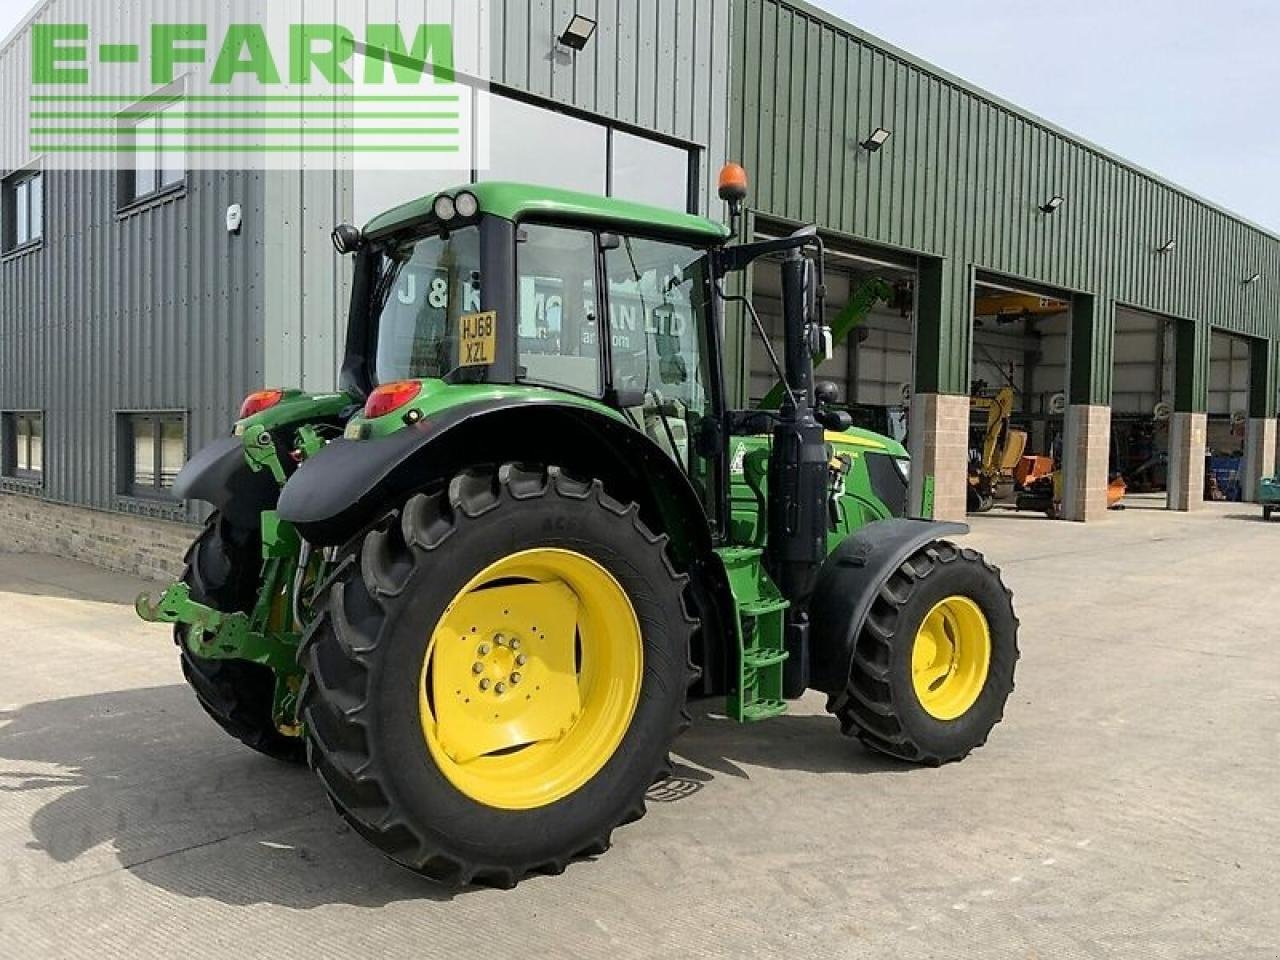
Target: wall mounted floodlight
579,32
879,137
1254,279
1167,247
1053,204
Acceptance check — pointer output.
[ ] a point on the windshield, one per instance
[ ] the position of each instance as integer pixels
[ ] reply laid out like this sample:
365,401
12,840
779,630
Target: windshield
425,287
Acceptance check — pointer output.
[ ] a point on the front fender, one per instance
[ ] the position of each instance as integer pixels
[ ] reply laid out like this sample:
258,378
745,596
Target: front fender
847,585
220,475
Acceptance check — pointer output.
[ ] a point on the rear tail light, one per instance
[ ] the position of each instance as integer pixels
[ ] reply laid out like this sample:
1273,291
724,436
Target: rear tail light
259,401
390,397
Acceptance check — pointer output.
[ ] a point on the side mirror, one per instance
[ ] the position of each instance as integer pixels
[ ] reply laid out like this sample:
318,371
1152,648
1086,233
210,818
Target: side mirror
346,238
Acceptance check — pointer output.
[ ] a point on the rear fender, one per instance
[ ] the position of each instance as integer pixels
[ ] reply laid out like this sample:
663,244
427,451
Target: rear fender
848,583
220,475
352,483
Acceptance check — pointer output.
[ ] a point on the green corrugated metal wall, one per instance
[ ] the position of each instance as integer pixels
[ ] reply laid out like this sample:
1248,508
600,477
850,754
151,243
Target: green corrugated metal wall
961,182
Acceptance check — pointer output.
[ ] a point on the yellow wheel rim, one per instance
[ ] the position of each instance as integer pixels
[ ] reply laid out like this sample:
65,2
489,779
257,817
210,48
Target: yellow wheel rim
531,679
951,657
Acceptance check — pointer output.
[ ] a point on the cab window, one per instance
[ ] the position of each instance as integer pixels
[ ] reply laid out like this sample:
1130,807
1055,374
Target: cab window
558,329
427,287
659,308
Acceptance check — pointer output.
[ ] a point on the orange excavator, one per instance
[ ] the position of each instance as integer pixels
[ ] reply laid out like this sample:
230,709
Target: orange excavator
1000,467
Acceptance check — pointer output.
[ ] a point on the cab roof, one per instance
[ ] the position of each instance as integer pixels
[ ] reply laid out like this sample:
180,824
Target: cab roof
515,201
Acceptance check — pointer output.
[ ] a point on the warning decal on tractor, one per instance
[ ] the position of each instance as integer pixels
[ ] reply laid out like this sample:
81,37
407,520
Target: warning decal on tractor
477,338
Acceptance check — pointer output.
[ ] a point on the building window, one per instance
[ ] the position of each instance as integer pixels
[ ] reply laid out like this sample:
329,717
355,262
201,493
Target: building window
158,148
154,447
536,145
23,204
24,445
532,145
647,171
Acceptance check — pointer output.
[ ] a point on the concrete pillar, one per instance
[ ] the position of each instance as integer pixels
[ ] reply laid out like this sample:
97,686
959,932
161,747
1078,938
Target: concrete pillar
938,442
1086,459
1259,455
1187,433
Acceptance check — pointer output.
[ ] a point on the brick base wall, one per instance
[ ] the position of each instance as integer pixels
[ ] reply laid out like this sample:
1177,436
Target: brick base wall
152,549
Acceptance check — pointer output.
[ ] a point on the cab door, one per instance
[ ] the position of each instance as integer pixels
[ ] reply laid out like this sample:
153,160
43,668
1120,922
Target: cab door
662,363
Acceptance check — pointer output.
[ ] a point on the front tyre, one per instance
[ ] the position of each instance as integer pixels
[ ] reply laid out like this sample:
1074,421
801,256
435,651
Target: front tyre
934,662
496,676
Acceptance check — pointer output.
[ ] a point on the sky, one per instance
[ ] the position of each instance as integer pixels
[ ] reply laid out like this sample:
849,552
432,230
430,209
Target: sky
1188,90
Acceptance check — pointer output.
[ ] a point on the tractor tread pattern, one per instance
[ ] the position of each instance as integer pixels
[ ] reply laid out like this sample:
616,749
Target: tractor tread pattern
237,695
866,707
335,699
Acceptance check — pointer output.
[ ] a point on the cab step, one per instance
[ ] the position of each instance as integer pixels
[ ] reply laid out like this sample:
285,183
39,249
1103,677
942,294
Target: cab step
757,692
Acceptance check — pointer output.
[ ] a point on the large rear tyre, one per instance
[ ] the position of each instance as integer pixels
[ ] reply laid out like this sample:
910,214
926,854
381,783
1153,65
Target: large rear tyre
223,571
934,663
495,678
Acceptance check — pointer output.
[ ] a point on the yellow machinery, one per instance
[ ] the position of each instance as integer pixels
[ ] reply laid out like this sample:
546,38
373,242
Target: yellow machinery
991,471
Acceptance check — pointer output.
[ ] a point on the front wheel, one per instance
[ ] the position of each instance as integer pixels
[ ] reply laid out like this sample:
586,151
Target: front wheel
495,678
933,665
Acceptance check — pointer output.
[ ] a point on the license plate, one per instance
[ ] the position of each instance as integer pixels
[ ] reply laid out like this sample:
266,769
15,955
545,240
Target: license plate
478,336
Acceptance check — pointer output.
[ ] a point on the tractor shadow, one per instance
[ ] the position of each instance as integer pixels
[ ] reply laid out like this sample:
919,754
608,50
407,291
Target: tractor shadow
716,745
185,808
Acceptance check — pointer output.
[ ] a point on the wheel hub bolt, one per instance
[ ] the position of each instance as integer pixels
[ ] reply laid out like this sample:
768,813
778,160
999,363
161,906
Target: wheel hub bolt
484,649
521,660
500,688
515,678
515,644
477,668
499,639
484,684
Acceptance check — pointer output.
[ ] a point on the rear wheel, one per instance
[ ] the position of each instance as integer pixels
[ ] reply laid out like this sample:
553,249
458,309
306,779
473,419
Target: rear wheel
933,665
223,571
495,678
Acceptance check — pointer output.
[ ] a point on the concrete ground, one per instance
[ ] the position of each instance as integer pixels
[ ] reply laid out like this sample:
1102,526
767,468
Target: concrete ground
1127,807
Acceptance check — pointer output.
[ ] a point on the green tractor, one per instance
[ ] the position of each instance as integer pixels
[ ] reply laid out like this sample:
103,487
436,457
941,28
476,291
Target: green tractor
477,589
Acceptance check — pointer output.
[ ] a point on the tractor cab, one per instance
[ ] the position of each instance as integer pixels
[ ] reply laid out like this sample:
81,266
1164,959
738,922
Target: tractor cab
503,286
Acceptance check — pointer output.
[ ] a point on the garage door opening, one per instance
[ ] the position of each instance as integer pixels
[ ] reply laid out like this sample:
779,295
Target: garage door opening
1018,400
870,306
1142,406
1229,388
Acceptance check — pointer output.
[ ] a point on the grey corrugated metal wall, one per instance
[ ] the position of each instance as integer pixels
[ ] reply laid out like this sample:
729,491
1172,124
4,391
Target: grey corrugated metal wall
159,309
154,309
961,181
660,65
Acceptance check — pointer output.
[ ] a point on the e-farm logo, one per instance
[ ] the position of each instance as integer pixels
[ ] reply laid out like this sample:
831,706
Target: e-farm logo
220,91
